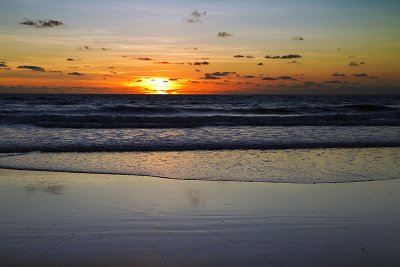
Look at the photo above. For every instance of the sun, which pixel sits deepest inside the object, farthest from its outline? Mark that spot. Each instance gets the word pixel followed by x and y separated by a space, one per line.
pixel 156 85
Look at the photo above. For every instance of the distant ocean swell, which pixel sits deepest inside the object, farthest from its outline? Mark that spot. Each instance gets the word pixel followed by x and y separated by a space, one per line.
pixel 156 121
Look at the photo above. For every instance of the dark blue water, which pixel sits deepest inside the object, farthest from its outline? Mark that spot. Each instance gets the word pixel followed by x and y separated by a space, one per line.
pixel 196 122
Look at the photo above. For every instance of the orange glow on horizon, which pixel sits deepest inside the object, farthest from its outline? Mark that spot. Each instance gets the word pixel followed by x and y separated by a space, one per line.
pixel 155 85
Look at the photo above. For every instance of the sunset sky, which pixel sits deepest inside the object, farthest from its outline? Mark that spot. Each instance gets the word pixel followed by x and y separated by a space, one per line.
pixel 226 46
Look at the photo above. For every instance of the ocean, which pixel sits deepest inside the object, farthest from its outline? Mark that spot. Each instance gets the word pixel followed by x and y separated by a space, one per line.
pixel 216 126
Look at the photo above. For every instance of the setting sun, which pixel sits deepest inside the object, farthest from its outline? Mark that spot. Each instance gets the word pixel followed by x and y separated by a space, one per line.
pixel 155 85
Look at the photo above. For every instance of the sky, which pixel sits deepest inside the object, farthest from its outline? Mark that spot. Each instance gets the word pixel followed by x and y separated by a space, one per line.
pixel 200 47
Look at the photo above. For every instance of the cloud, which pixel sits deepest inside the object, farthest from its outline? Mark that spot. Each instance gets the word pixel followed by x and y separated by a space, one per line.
pixel 33 68
pixel 339 74
pixel 297 38
pixel 84 47
pixel 352 64
pixel 209 76
pixel 195 16
pixel 360 75
pixel 286 78
pixel 281 78
pixel 143 58
pixel 294 62
pixel 105 49
pixel 42 23
pixel 201 63
pixel 75 73
pixel 220 74
pixel 269 79
pixel 70 59
pixel 224 34
pixel 238 56
pixel 289 56
pixel 3 64
pixel 333 82
pixel 260 64
pixel 248 77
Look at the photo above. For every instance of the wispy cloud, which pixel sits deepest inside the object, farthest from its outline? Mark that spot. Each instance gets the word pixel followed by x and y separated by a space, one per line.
pixel 195 16
pixel 75 73
pixel 360 75
pixel 297 38
pixel 289 56
pixel 44 23
pixel 280 78
pixel 338 75
pixel 224 34
pixel 33 68
pixel 333 82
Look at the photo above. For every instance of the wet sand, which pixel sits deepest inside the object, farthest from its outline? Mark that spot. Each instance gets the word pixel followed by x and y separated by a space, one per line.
pixel 66 219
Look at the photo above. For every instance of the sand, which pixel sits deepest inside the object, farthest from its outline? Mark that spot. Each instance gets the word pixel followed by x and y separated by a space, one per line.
pixel 66 219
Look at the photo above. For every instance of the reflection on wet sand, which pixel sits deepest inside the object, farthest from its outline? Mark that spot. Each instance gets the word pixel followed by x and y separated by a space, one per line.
pixel 196 198
pixel 51 189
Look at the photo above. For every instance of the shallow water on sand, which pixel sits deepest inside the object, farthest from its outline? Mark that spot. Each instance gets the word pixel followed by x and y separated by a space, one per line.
pixel 279 166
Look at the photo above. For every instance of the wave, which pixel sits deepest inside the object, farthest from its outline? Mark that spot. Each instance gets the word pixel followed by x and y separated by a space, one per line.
pixel 129 121
pixel 369 107
pixel 197 146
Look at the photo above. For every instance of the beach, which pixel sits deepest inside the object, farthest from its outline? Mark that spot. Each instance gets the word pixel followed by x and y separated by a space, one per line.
pixel 75 219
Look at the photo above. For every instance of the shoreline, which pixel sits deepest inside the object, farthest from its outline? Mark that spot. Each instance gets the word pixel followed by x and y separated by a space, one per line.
pixel 66 219
pixel 193 180
pixel 277 166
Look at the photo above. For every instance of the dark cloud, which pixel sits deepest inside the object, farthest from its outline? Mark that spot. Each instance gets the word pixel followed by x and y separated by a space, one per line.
pixel 333 82
pixel 42 23
pixel 360 75
pixel 143 58
pixel 238 56
pixel 55 71
pixel 195 16
pixel 224 34
pixel 310 83
pixel 362 63
pixel 297 38
pixel 352 64
pixel 70 59
pixel 209 76
pixel 249 56
pixel 104 49
pixel 75 73
pixel 221 74
pixel 339 74
pixel 3 64
pixel 280 78
pixel 294 62
pixel 249 77
pixel 201 63
pixel 260 64
pixel 269 79
pixel 289 56
pixel 33 68
pixel 286 78
pixel 84 47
